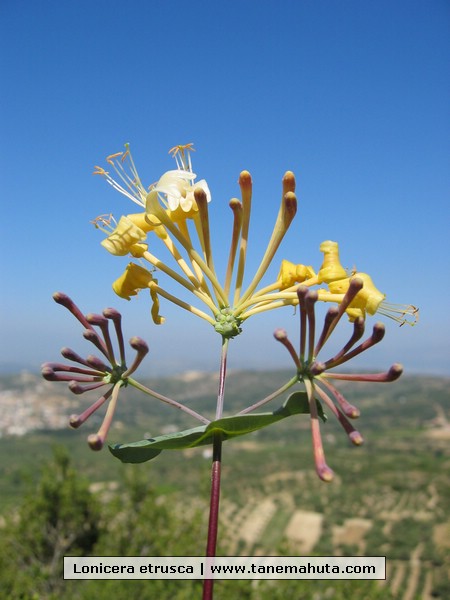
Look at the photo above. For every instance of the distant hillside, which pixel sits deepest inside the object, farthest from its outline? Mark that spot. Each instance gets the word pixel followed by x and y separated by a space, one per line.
pixel 390 497
pixel 30 404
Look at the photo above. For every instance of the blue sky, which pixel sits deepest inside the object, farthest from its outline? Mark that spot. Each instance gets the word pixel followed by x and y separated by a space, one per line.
pixel 352 96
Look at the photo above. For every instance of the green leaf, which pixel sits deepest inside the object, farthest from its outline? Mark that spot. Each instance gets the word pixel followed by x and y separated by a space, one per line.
pixel 226 428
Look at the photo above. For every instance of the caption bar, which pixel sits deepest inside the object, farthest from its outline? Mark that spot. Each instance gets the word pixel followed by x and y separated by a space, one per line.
pixel 225 567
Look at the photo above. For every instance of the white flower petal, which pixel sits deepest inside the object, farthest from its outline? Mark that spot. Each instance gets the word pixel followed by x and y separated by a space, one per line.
pixel 187 202
pixel 202 184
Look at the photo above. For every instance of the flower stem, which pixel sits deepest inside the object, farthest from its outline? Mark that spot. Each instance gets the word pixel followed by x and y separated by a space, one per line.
pixel 189 307
pixel 170 401
pixel 213 523
pixel 274 394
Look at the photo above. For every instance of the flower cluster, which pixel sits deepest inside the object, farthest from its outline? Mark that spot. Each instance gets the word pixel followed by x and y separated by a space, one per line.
pixel 178 204
pixel 318 376
pixel 174 206
pixel 94 372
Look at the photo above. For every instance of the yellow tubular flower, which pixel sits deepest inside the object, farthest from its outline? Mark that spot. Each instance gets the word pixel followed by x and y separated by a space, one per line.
pixel 331 269
pixel 369 300
pixel 133 279
pixel 148 223
pixel 366 300
pixel 291 274
pixel 124 236
pixel 138 250
pixel 179 214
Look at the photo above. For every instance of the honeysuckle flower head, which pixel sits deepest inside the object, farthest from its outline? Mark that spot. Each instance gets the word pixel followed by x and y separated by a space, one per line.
pixel 177 206
pixel 318 376
pixel 169 203
pixel 91 373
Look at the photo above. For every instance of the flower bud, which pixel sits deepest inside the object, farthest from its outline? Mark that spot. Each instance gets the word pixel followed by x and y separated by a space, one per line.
pixel 139 345
pixel 235 205
pixel 112 313
pixel 288 182
pixel 245 181
pixel 72 355
pixel 75 421
pixel 325 473
pixel 394 372
pixel 99 320
pixel 96 363
pixel 63 299
pixel 289 208
pixel 356 438
pixel 95 441
pixel 280 334
pixel 48 373
pixel 76 388
pixel 378 332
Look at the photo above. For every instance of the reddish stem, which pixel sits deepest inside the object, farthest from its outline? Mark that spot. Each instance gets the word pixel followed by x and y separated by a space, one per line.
pixel 213 525
pixel 213 512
